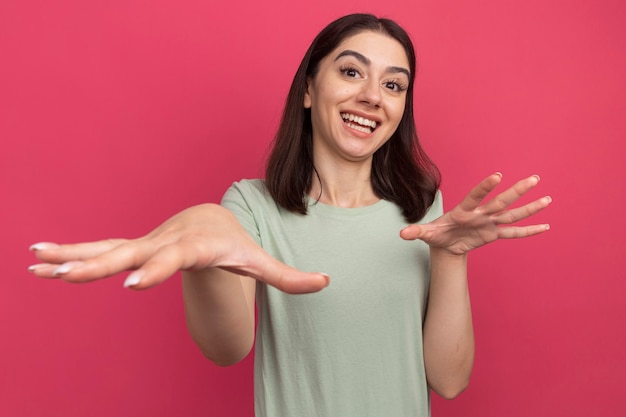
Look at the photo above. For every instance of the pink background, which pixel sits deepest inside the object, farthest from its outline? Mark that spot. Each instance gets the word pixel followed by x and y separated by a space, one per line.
pixel 114 115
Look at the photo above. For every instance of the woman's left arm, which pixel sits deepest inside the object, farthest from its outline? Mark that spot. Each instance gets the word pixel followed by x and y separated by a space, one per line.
pixel 448 330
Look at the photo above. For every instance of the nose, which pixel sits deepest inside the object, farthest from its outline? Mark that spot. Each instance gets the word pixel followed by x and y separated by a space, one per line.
pixel 370 93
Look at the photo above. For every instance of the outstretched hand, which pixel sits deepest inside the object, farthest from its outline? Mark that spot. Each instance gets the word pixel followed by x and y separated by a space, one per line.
pixel 200 237
pixel 471 225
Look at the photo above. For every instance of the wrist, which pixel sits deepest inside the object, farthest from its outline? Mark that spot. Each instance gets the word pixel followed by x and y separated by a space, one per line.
pixel 443 254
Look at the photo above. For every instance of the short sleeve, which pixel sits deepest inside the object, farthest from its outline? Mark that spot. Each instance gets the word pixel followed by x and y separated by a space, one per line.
pixel 239 200
pixel 435 210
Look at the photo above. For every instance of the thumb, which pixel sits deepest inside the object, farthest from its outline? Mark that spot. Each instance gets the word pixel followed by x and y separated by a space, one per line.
pixel 267 269
pixel 412 232
pixel 293 281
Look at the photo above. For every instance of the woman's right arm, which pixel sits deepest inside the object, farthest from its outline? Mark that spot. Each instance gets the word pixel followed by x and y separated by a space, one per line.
pixel 198 238
pixel 220 262
pixel 219 309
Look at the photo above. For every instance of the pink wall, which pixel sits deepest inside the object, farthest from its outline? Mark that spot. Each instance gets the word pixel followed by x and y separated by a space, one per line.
pixel 114 115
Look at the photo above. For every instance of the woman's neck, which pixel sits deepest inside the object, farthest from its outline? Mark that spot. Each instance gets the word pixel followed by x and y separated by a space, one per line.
pixel 344 184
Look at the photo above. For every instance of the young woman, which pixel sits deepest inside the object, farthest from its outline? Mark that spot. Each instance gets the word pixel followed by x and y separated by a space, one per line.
pixel 349 192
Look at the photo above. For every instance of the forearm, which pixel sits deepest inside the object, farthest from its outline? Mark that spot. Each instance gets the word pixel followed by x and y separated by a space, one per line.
pixel 219 309
pixel 448 329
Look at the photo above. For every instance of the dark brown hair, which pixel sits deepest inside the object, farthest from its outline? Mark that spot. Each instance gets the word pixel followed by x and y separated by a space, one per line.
pixel 401 171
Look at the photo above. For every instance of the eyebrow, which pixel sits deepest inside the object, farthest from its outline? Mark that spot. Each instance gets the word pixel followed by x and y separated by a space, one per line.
pixel 366 61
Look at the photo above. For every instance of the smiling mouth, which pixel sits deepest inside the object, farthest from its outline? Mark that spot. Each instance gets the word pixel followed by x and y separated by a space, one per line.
pixel 359 123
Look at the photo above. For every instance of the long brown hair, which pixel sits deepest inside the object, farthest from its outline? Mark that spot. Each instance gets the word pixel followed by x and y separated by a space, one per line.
pixel 401 171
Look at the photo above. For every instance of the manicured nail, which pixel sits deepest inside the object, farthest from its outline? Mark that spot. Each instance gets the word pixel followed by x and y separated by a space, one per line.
pixel 133 279
pixel 32 268
pixel 327 279
pixel 43 246
pixel 65 268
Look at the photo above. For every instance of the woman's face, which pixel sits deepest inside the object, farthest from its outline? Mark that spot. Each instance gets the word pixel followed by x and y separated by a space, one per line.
pixel 357 97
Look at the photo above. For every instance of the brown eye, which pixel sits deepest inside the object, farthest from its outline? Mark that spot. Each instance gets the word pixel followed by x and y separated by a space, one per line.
pixel 393 86
pixel 350 72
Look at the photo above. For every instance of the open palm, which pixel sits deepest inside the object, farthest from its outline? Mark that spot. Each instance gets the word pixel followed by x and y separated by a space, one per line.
pixel 199 237
pixel 472 224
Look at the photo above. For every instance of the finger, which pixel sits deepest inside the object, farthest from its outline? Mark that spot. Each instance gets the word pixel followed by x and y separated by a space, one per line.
pixel 127 256
pixel 510 195
pixel 43 270
pixel 520 213
pixel 58 254
pixel 172 258
pixel 265 268
pixel 168 260
pixel 478 193
pixel 256 264
pixel 412 232
pixel 293 281
pixel 522 231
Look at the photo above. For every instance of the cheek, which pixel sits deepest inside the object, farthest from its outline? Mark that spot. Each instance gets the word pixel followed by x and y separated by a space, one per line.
pixel 332 91
pixel 396 110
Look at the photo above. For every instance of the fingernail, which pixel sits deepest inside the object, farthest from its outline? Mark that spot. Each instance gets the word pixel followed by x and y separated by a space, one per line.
pixel 133 279
pixel 65 268
pixel 32 268
pixel 327 277
pixel 42 246
pixel 548 198
pixel 537 176
pixel 499 174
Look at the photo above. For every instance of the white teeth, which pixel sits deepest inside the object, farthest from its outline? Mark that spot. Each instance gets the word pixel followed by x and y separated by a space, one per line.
pixel 360 120
pixel 360 128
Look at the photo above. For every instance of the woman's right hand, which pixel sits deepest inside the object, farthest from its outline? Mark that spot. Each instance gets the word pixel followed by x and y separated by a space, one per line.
pixel 197 238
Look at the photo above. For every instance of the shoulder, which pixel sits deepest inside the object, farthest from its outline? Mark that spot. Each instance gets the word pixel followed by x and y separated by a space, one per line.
pixel 247 190
pixel 250 197
pixel 435 210
pixel 251 203
pixel 248 186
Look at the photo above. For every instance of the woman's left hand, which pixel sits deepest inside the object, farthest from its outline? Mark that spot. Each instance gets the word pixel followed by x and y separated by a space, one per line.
pixel 472 224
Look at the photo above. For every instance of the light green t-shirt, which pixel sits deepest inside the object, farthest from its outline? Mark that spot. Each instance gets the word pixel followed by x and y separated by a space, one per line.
pixel 355 348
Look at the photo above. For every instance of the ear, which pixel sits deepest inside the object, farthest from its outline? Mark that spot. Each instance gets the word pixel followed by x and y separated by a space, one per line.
pixel 307 94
